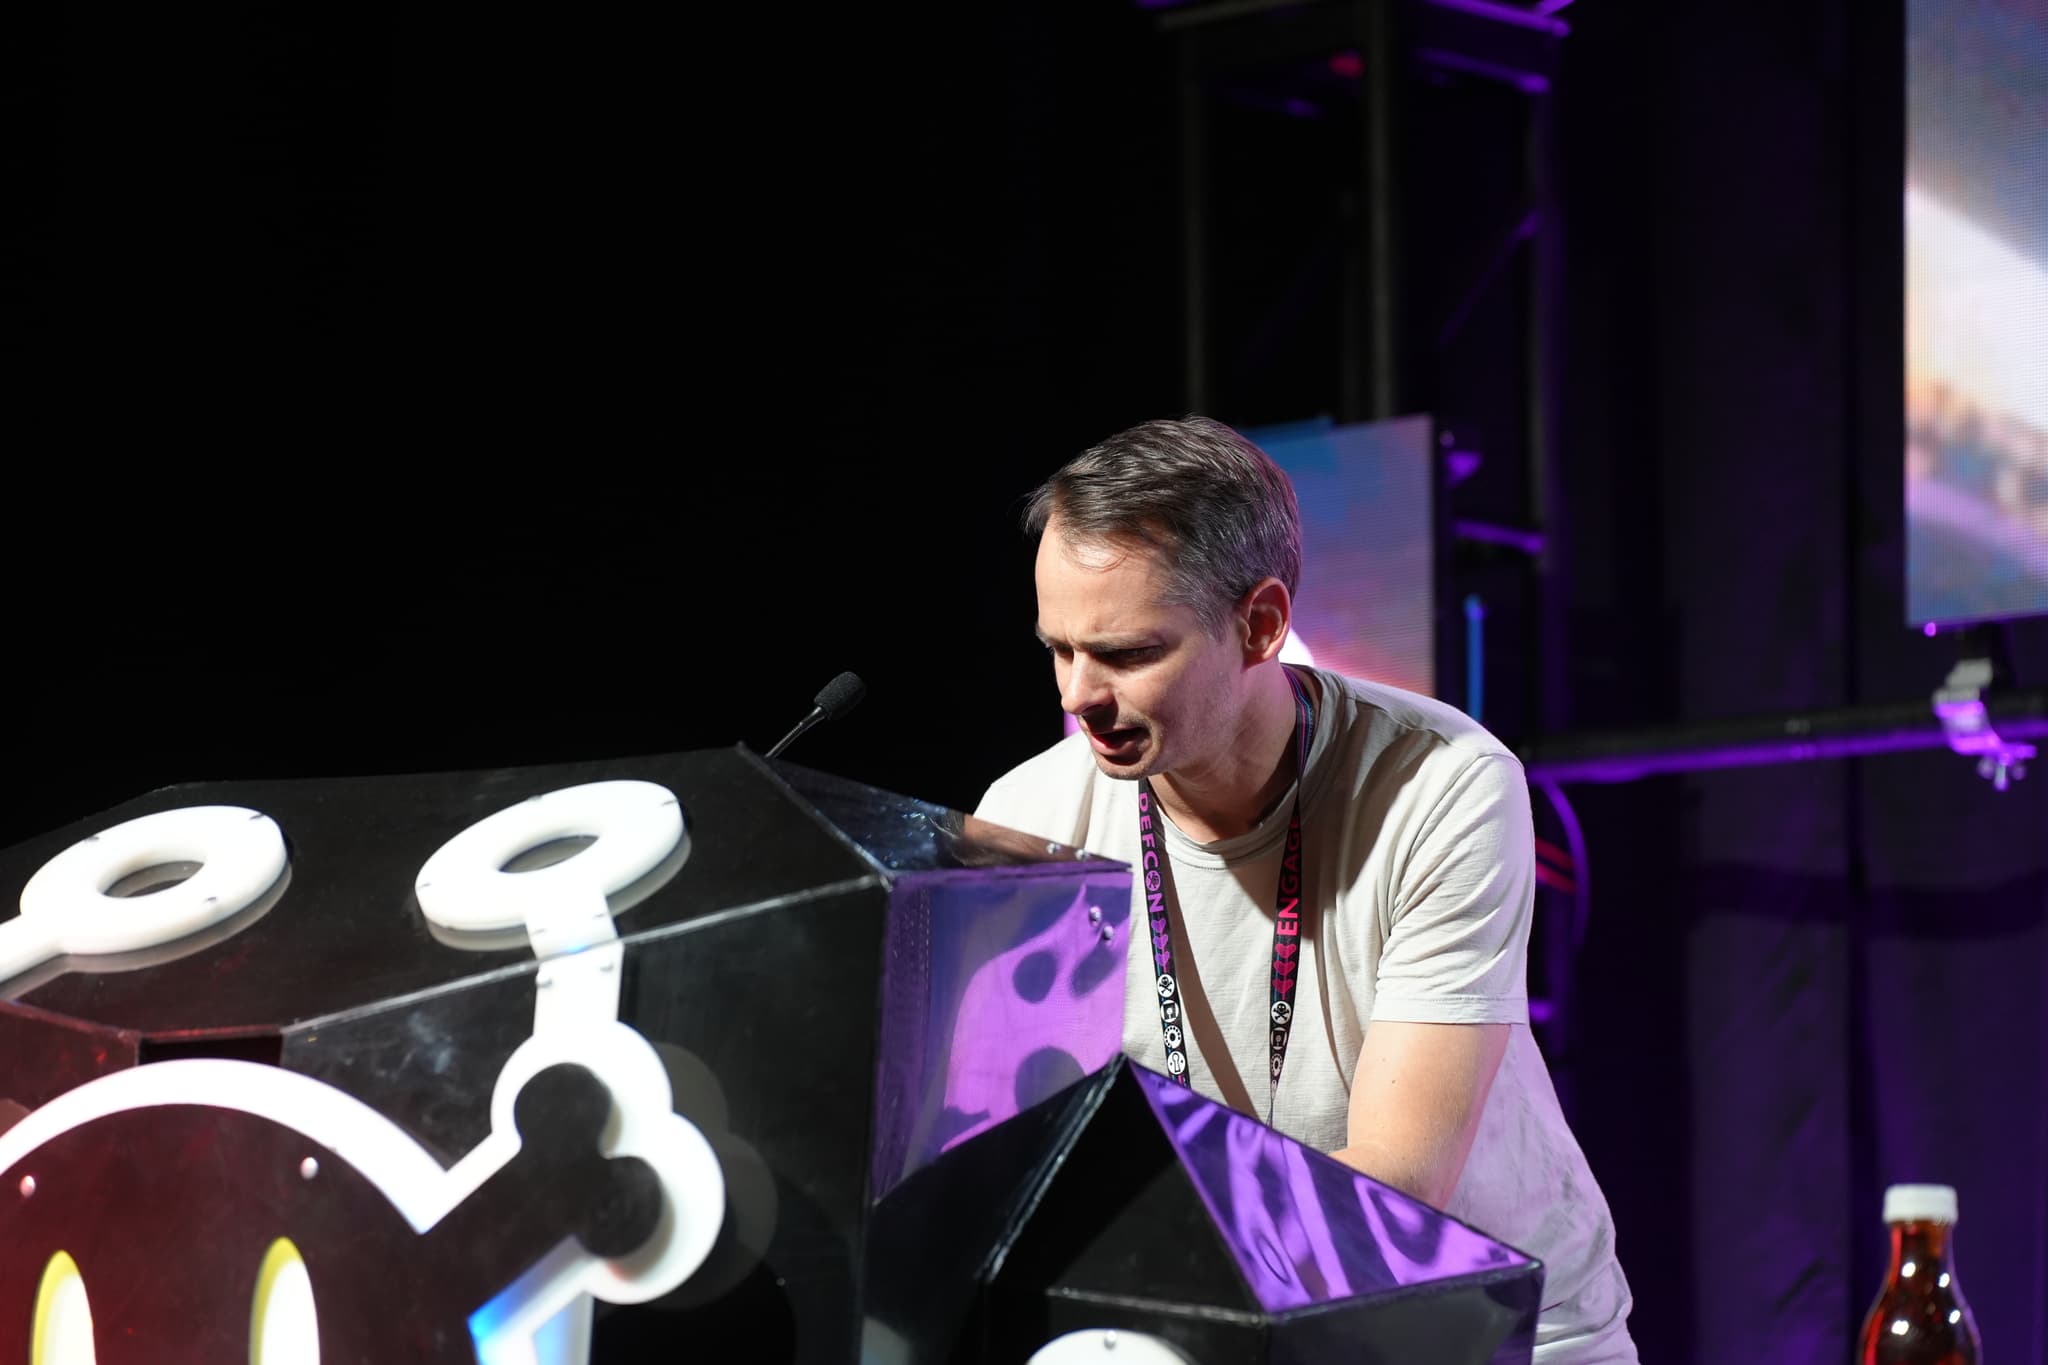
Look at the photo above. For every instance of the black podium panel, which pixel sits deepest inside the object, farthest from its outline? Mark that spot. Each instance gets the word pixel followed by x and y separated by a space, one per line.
pixel 347 933
pixel 173 1214
pixel 893 1032
pixel 841 984
pixel 934 1239
pixel 1126 1204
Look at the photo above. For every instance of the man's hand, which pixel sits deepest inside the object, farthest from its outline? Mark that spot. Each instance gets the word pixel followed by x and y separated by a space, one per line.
pixel 1415 1103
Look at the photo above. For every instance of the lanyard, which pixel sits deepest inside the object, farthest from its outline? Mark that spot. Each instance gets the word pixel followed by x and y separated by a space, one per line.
pixel 1286 923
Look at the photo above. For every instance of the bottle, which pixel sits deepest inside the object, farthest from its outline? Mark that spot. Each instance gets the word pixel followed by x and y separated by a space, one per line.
pixel 1920 1317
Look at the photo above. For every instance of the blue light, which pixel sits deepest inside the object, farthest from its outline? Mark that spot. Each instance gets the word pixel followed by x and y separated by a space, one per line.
pixel 553 1342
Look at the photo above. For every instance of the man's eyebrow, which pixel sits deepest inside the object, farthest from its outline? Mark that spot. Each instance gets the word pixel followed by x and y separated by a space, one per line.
pixel 1109 644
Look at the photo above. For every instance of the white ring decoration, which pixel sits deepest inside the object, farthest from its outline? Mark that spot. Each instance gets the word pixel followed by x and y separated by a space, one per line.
pixel 65 907
pixel 636 825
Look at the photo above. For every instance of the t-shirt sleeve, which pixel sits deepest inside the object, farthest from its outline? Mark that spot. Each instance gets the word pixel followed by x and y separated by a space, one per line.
pixel 1037 798
pixel 1005 803
pixel 1457 950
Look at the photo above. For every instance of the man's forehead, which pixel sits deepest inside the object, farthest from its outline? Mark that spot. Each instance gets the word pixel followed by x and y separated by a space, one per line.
pixel 1100 551
pixel 1119 607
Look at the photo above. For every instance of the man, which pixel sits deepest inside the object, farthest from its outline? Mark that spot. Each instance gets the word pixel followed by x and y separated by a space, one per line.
pixel 1385 1016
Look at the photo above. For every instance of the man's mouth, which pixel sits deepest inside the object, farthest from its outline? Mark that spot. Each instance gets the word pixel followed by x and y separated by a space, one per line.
pixel 1115 741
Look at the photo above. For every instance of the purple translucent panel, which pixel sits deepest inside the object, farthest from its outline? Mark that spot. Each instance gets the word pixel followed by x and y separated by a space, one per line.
pixel 1305 1228
pixel 1000 989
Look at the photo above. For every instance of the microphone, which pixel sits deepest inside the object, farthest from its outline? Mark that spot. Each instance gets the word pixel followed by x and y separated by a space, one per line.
pixel 841 695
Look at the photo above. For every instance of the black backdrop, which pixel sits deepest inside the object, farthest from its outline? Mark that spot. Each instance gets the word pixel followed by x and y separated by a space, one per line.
pixel 406 392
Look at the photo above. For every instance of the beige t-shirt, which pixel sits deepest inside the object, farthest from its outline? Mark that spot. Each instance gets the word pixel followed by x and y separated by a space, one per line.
pixel 1418 886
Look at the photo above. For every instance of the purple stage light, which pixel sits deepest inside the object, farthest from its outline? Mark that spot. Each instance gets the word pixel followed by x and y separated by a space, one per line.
pixel 1528 542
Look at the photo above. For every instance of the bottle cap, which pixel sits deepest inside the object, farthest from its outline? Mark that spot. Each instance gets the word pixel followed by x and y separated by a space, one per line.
pixel 1920 1204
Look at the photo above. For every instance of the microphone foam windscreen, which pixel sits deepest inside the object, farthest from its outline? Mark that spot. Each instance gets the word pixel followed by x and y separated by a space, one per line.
pixel 841 695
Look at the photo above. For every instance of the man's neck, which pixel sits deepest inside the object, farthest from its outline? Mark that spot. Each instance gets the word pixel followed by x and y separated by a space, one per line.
pixel 1241 785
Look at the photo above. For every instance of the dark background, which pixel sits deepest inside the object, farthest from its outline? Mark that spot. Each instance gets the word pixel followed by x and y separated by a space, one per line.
pixel 402 391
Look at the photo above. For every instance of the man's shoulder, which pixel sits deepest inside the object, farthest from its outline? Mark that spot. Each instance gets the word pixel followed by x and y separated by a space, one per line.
pixel 1387 716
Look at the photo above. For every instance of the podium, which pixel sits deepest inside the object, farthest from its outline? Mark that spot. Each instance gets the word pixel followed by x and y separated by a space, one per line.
pixel 753 1061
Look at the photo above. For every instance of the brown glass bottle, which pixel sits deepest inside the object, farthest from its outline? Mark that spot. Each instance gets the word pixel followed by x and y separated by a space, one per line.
pixel 1920 1317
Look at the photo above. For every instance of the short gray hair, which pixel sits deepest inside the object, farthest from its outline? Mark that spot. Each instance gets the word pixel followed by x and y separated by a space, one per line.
pixel 1221 514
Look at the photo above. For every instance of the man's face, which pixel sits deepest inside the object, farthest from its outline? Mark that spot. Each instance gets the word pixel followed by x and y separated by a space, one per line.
pixel 1152 690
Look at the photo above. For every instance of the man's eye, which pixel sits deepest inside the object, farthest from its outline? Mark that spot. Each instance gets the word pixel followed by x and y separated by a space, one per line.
pixel 1126 658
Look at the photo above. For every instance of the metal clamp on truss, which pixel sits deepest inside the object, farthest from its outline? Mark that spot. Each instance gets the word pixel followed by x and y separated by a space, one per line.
pixel 1959 705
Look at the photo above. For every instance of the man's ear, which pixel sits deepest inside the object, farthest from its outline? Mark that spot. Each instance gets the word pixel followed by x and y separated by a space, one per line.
pixel 1263 617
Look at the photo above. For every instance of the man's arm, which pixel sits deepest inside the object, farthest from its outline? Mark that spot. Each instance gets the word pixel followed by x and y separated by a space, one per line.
pixel 1415 1103
pixel 1451 982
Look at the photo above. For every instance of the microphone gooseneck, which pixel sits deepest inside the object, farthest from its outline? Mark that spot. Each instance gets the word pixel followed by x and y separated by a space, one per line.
pixel 839 696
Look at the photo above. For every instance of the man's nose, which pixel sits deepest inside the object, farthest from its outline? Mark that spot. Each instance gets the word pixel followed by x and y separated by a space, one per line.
pixel 1086 687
